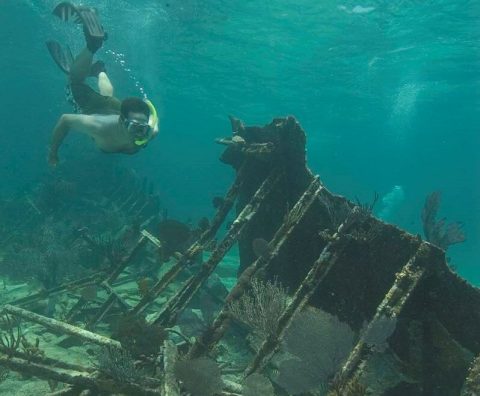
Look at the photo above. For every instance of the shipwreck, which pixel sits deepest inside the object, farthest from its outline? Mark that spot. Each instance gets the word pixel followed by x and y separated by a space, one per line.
pixel 414 325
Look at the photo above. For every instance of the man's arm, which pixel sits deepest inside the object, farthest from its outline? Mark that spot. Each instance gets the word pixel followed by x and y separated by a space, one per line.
pixel 80 122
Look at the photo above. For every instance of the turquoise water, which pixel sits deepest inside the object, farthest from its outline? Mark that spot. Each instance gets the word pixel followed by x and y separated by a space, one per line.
pixel 388 93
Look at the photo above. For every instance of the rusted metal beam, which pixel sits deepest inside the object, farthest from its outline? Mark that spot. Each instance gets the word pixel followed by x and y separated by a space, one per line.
pixel 126 261
pixel 472 382
pixel 316 274
pixel 179 301
pixel 407 279
pixel 170 384
pixel 75 378
pixel 70 286
pixel 216 331
pixel 47 361
pixel 196 247
pixel 109 278
pixel 58 326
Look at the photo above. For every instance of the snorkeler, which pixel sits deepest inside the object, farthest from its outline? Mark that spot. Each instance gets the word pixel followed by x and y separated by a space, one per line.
pixel 115 126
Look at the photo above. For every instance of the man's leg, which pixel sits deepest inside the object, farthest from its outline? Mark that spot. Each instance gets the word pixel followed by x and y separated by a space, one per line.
pixel 80 68
pixel 104 85
pixel 94 37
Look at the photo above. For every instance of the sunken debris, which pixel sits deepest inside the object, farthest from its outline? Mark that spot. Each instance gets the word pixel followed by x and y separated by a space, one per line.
pixel 380 306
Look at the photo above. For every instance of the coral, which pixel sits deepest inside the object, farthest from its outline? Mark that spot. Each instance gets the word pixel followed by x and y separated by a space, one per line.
pixel 378 332
pixel 175 236
pixel 200 377
pixel 257 384
pixel 11 334
pixel 439 232
pixel 138 337
pixel 32 350
pixel 108 247
pixel 319 343
pixel 472 383
pixel 117 364
pixel 261 248
pixel 48 255
pixel 261 307
pixel 367 207
pixel 351 388
pixel 143 285
pixel 4 372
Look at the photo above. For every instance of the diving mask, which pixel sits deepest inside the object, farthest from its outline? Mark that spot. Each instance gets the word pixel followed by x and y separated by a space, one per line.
pixel 141 131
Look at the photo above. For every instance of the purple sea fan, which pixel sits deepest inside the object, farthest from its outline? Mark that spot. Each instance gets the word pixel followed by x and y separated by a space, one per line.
pixel 439 232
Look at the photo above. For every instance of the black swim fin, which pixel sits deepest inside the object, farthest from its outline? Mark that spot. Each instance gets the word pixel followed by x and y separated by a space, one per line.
pixel 87 16
pixel 97 68
pixel 66 11
pixel 63 59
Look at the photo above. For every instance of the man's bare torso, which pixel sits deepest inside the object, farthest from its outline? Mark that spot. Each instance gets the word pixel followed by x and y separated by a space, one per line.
pixel 109 135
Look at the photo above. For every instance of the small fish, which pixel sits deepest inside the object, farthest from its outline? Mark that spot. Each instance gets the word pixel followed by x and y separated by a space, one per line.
pixel 261 248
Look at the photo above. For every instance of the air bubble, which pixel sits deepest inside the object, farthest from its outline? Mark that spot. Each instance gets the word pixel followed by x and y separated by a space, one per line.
pixel 119 59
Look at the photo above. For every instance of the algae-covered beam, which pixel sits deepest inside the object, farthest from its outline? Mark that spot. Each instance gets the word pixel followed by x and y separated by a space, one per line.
pixel 257 150
pixel 472 382
pixel 46 361
pixel 70 390
pixel 216 331
pixel 391 306
pixel 152 238
pixel 102 311
pixel 170 384
pixel 126 261
pixel 195 248
pixel 110 278
pixel 61 327
pixel 159 287
pixel 316 274
pixel 75 378
pixel 109 289
pixel 70 286
pixel 180 300
pixel 113 297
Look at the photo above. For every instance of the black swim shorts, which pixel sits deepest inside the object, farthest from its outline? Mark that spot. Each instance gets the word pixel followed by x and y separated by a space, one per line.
pixel 91 102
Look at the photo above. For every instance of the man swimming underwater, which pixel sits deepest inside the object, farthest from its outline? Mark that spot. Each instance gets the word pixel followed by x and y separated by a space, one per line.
pixel 115 126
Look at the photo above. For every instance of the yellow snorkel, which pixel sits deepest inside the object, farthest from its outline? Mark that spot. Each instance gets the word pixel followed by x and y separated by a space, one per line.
pixel 152 123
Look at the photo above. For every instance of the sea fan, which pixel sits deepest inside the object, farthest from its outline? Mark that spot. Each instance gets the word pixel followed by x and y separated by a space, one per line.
pixel 200 377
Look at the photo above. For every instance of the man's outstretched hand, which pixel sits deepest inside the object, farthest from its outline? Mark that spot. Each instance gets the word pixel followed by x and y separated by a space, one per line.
pixel 52 159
